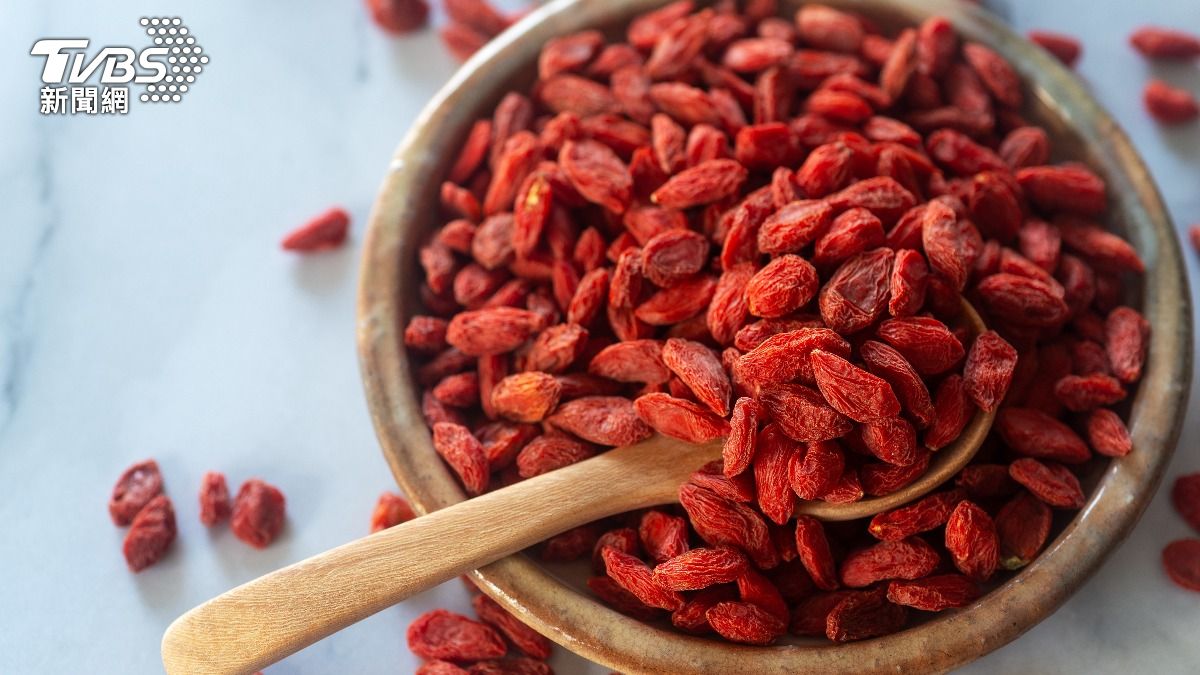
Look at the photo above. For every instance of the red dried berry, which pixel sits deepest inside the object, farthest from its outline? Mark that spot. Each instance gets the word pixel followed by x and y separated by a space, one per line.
pixel 525 638
pixel 463 452
pixel 813 549
pixel 934 594
pixel 680 418
pixel 972 541
pixel 1185 495
pixel 1033 433
pixel 744 622
pixel 258 513
pixel 134 489
pixel 214 499
pixel 700 568
pixel 399 16
pixel 1064 47
pixel 926 514
pixel 1054 484
pixel 1127 335
pixel 390 510
pixel 1170 105
pixel 1022 525
pixel 323 232
pixel 813 473
pixel 862 615
pixel 1181 560
pixel 634 576
pixel 150 534
pixel 1164 43
pixel 604 420
pixel 441 634
pixel 926 342
pixel 910 558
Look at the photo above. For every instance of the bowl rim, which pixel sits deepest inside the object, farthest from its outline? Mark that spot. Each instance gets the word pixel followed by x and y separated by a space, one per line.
pixel 592 630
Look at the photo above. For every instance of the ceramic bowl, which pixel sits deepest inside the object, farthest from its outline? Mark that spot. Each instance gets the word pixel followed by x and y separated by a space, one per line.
pixel 556 604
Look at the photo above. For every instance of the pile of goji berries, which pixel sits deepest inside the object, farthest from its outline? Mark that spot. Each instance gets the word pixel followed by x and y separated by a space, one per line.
pixel 760 227
pixel 256 515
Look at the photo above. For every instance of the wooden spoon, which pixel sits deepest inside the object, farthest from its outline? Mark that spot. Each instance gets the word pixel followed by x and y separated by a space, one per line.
pixel 261 622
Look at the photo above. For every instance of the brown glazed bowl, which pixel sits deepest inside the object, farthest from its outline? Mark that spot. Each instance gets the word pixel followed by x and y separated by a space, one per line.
pixel 558 606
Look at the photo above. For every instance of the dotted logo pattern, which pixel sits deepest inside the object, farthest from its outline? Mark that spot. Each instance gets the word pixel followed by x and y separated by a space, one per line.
pixel 185 61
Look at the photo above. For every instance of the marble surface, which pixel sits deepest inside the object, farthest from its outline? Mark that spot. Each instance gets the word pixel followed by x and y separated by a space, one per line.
pixel 145 310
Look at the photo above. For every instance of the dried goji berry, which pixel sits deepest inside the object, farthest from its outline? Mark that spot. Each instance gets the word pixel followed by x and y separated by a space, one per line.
pixel 909 558
pixel 461 450
pixel 972 541
pixel 857 293
pixel 1023 524
pixel 700 568
pixel 772 458
pixel 214 499
pixel 323 232
pixel 852 391
pixel 802 413
pixel 700 369
pixel 933 594
pixel 692 616
pixel 702 184
pixel 864 614
pixel 813 549
pixel 1185 495
pixel 926 342
pixel 390 510
pixel 634 576
pixel 525 638
pixel 597 173
pixel 745 622
pixel 1064 47
pixel 440 667
pixel 605 420
pixel 816 471
pixel 134 489
pixel 1181 560
pixel 1054 484
pixel 441 634
pixel 493 330
pixel 1126 337
pixel 549 452
pixel 680 418
pixel 150 534
pixel 921 516
pixel 258 512
pixel 1165 43
pixel 622 600
pixel 722 522
pixel 1033 433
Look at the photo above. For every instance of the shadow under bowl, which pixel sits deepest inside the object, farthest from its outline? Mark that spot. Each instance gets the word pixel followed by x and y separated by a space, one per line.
pixel 560 607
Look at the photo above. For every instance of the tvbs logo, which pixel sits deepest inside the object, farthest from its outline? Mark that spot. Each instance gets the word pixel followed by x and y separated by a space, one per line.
pixel 167 69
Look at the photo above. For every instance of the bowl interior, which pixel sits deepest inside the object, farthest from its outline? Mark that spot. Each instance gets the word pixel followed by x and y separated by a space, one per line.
pixel 552 598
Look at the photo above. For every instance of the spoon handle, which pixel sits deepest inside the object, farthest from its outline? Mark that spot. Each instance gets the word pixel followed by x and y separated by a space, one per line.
pixel 260 622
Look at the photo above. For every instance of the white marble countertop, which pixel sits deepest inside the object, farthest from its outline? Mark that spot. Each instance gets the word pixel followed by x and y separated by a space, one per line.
pixel 145 310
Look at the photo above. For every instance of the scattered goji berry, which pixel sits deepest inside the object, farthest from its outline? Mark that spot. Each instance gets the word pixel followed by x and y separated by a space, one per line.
pixel 258 513
pixel 1181 560
pixel 1165 43
pixel 134 489
pixel 323 232
pixel 214 499
pixel 150 534
pixel 1185 495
